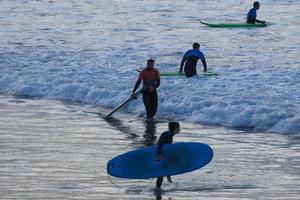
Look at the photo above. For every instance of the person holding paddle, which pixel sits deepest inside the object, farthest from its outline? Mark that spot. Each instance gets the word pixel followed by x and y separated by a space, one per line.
pixel 190 60
pixel 165 138
pixel 151 81
pixel 251 16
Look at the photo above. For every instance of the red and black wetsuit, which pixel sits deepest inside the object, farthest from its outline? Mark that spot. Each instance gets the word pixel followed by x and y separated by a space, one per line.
pixel 151 79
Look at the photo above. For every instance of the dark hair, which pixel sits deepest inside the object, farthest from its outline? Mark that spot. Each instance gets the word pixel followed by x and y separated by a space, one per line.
pixel 196 45
pixel 150 61
pixel 173 125
pixel 255 4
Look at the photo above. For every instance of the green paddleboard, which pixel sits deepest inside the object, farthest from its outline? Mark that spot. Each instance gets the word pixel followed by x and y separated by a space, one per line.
pixel 182 74
pixel 171 74
pixel 234 25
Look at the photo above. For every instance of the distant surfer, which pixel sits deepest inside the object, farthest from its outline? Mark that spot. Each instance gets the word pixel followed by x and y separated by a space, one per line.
pixel 251 16
pixel 165 138
pixel 190 60
pixel 151 81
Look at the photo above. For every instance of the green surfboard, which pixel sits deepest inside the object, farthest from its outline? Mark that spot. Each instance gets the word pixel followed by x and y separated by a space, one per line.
pixel 208 73
pixel 171 74
pixel 234 25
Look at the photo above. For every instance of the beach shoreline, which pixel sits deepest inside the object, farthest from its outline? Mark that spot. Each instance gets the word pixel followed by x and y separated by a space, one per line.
pixel 54 150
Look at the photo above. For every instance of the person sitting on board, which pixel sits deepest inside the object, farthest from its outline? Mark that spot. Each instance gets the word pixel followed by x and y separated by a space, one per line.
pixel 151 81
pixel 190 60
pixel 165 138
pixel 251 16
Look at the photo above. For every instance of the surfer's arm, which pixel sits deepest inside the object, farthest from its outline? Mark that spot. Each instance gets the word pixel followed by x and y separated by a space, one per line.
pixel 201 56
pixel 160 144
pixel 182 63
pixel 258 21
pixel 163 139
pixel 204 64
pixel 137 85
pixel 156 85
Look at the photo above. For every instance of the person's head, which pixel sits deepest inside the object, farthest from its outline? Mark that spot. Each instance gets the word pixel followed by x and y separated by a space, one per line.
pixel 174 127
pixel 150 63
pixel 256 5
pixel 196 45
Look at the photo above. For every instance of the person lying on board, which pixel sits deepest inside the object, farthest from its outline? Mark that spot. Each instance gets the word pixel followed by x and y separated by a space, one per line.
pixel 165 138
pixel 251 16
pixel 190 60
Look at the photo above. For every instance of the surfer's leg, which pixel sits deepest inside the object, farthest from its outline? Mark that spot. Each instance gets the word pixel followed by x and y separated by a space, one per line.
pixel 153 107
pixel 147 104
pixel 159 182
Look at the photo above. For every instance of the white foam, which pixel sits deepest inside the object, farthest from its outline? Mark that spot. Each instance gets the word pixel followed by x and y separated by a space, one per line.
pixel 95 61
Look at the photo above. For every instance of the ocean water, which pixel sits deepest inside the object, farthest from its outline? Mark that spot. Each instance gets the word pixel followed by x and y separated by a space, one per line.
pixel 89 51
pixel 64 64
pixel 55 150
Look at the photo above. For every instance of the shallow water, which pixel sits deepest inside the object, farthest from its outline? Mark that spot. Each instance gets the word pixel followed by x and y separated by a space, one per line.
pixel 64 64
pixel 55 150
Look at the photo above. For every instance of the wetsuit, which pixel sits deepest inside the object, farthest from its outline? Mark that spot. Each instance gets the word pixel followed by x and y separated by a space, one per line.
pixel 165 138
pixel 251 17
pixel 150 78
pixel 190 60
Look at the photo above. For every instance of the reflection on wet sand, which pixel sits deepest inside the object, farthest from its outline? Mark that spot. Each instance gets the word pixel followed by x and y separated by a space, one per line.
pixel 119 125
pixel 150 133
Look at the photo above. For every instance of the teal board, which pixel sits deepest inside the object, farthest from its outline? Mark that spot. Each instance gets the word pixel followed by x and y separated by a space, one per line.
pixel 234 25
pixel 182 74
pixel 171 74
pixel 176 159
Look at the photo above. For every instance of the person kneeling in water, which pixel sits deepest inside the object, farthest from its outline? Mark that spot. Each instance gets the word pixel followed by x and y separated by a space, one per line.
pixel 251 16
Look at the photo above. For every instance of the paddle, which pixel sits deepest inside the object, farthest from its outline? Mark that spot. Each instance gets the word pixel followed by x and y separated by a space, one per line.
pixel 208 73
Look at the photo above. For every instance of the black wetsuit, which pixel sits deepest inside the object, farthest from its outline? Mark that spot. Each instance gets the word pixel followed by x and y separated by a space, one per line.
pixel 190 60
pixel 150 102
pixel 251 17
pixel 165 138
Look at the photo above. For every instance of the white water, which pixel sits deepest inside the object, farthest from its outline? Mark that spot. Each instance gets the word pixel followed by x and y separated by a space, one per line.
pixel 88 51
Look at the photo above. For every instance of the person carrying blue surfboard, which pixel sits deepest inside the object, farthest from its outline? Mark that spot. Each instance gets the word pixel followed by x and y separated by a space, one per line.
pixel 165 138
pixel 190 60
pixel 251 16
pixel 151 81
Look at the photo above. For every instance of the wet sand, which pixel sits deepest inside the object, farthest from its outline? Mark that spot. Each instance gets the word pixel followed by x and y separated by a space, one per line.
pixel 55 150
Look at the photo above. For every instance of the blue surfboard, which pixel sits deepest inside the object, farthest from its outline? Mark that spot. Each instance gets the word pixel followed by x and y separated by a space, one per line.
pixel 176 159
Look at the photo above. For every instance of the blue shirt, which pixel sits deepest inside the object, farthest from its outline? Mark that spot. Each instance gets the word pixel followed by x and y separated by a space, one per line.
pixel 251 17
pixel 193 52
